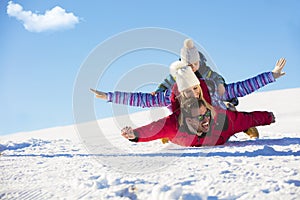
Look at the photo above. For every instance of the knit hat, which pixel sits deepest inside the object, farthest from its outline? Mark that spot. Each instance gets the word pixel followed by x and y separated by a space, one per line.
pixel 175 66
pixel 185 78
pixel 189 53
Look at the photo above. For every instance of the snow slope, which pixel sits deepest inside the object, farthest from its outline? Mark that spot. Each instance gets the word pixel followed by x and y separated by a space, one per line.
pixel 56 163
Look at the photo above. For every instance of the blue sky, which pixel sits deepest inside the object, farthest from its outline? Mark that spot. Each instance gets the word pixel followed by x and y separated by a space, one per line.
pixel 39 64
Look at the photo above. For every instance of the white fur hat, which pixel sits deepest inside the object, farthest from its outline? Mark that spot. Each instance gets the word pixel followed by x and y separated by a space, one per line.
pixel 175 66
pixel 186 78
pixel 189 53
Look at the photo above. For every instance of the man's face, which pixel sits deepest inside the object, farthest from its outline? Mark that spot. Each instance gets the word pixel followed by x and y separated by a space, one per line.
pixel 193 91
pixel 194 66
pixel 199 119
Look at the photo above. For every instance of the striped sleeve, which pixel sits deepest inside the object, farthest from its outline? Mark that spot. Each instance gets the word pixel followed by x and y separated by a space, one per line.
pixel 139 99
pixel 243 88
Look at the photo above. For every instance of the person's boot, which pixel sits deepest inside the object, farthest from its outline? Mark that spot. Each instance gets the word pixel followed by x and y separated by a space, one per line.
pixel 252 132
pixel 164 140
pixel 234 101
pixel 230 106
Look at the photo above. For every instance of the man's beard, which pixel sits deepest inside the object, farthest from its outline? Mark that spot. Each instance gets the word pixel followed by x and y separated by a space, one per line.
pixel 193 130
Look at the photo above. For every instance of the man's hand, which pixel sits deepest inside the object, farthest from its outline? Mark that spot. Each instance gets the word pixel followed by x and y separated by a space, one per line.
pixel 277 71
pixel 127 132
pixel 99 94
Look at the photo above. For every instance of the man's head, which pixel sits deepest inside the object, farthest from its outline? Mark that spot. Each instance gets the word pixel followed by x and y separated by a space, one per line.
pixel 195 115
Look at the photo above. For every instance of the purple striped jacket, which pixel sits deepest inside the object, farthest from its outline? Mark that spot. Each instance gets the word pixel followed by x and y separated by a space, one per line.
pixel 161 99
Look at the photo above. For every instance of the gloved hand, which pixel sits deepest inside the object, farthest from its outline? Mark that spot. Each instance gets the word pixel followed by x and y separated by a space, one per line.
pixel 272 117
pixel 127 132
pixel 277 71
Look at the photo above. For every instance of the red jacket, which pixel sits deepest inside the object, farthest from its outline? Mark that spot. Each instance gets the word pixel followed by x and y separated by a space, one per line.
pixel 225 124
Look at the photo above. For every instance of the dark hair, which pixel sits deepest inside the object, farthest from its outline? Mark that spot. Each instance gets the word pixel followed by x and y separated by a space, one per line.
pixel 186 106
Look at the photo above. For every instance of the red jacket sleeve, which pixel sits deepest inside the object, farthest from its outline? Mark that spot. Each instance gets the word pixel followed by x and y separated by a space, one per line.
pixel 164 128
pixel 241 121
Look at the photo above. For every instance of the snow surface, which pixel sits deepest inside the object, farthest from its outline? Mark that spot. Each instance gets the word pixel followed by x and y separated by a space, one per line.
pixel 60 163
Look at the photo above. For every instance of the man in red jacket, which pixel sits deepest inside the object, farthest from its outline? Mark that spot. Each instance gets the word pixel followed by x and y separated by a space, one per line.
pixel 198 126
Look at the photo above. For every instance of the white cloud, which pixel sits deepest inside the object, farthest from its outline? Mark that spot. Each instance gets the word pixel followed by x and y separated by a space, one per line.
pixel 55 19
